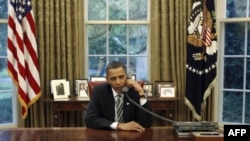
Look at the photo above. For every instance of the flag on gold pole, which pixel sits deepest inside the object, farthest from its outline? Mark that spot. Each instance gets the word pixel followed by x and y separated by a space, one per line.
pixel 201 56
pixel 23 66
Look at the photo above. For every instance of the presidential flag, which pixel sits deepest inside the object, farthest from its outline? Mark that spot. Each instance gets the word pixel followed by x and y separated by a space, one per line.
pixel 22 53
pixel 201 56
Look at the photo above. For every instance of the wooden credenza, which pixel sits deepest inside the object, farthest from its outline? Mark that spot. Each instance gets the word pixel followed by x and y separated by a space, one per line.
pixel 166 107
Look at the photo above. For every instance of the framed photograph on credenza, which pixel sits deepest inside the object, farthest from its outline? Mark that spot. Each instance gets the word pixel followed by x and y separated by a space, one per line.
pixel 148 89
pixel 82 89
pixel 60 88
pixel 133 76
pixel 159 84
pixel 167 92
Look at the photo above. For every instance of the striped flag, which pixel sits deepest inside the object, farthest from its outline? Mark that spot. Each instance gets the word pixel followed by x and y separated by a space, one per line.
pixel 22 53
pixel 207 37
pixel 201 56
pixel 206 32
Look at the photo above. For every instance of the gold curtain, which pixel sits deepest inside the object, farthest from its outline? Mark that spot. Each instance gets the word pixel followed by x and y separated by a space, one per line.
pixel 60 32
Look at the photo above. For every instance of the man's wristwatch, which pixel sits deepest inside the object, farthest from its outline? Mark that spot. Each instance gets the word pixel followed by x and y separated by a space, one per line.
pixel 143 96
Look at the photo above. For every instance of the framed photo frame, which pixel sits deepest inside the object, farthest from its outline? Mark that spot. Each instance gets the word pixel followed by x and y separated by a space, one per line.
pixel 82 88
pixel 60 89
pixel 159 84
pixel 133 76
pixel 167 92
pixel 148 89
pixel 77 81
pixel 53 82
pixel 97 78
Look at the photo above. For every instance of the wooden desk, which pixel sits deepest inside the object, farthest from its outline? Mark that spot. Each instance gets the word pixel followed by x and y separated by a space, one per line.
pixel 84 134
pixel 78 104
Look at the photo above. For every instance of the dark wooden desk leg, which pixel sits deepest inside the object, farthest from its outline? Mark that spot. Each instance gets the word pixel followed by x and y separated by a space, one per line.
pixel 164 114
pixel 171 116
pixel 168 114
pixel 61 119
pixel 56 118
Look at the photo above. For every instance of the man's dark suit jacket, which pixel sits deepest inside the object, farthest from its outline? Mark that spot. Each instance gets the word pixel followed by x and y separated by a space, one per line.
pixel 101 109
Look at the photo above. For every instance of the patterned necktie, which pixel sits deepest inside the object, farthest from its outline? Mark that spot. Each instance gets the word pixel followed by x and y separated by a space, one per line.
pixel 119 105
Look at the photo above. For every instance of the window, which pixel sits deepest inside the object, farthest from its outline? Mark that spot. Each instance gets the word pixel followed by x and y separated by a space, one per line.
pixel 117 30
pixel 234 61
pixel 7 96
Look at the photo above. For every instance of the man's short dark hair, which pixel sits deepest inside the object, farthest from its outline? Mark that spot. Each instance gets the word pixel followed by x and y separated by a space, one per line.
pixel 114 65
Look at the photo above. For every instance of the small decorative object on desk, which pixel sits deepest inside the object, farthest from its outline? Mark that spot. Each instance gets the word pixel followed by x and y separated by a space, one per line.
pixel 148 90
pixel 159 84
pixel 60 88
pixel 82 89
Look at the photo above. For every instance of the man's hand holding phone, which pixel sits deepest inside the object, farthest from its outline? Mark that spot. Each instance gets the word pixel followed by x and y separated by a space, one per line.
pixel 135 85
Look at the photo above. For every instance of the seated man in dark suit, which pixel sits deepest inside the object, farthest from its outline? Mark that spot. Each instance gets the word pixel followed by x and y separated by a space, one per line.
pixel 102 112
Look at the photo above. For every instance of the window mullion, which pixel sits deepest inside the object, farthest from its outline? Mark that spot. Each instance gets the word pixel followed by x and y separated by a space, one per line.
pixel 107 42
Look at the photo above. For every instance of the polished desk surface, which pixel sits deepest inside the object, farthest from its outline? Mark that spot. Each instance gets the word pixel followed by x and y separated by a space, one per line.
pixel 84 134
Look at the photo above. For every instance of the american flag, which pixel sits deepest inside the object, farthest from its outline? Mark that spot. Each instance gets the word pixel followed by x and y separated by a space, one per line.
pixel 207 37
pixel 22 53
